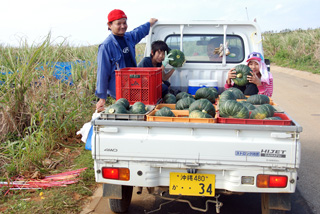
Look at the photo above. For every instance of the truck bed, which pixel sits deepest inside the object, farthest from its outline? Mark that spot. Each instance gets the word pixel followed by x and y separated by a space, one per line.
pixel 227 150
pixel 215 143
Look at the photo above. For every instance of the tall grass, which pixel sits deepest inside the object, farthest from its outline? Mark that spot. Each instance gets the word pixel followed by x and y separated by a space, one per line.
pixel 299 49
pixel 37 111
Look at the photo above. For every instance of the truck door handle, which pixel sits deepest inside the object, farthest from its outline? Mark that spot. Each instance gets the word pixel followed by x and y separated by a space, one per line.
pixel 109 129
pixel 281 135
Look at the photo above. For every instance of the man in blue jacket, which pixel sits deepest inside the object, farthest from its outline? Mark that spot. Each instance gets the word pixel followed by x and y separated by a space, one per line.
pixel 116 52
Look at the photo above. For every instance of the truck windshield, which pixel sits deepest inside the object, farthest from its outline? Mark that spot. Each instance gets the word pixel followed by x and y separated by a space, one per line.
pixel 205 48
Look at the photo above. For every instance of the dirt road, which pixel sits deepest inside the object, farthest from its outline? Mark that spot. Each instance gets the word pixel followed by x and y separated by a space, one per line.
pixel 298 93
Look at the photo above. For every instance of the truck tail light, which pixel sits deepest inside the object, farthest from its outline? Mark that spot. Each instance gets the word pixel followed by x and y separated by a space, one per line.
pixel 272 181
pixel 116 173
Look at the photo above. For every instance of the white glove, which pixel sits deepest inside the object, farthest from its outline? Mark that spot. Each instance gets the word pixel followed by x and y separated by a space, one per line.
pixel 166 59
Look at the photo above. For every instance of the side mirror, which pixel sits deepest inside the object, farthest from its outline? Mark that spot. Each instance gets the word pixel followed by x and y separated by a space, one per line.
pixel 267 61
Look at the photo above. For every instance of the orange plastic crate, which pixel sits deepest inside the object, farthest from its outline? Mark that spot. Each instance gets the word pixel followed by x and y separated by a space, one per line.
pixel 285 120
pixel 169 105
pixel 181 116
pixel 139 85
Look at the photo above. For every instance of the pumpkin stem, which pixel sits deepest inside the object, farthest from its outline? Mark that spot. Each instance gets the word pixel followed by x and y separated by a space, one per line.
pixel 239 75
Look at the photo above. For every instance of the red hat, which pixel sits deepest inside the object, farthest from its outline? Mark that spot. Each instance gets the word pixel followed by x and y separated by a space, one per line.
pixel 115 15
pixel 255 56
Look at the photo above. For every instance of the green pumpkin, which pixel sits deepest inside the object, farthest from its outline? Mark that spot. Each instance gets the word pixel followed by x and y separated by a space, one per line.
pixel 124 102
pixel 258 99
pixel 214 89
pixel 199 114
pixel 116 109
pixel 164 112
pixel 138 108
pixel 183 94
pixel 203 105
pixel 237 93
pixel 233 109
pixel 242 71
pixel 184 103
pixel 178 58
pixel 206 93
pixel 269 108
pixel 248 105
pixel 261 112
pixel 226 95
pixel 169 98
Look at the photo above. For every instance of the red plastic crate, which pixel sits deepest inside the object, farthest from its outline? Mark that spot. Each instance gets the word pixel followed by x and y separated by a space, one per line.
pixel 284 122
pixel 139 85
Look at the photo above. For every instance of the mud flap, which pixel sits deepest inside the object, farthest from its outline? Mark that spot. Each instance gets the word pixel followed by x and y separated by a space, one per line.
pixel 277 201
pixel 112 191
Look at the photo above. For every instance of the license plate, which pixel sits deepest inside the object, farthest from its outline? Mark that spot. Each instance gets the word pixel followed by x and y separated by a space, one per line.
pixel 192 184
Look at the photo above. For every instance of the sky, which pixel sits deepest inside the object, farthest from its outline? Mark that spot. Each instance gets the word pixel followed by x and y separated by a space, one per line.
pixel 84 22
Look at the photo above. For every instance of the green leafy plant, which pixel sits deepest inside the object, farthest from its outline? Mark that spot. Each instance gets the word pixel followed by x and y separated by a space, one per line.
pixel 298 49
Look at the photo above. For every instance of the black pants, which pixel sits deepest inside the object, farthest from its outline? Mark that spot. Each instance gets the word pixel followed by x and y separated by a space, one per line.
pixel 249 89
pixel 165 87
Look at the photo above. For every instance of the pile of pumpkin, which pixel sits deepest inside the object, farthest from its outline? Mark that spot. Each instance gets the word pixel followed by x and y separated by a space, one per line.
pixel 122 106
pixel 254 107
pixel 232 103
pixel 200 105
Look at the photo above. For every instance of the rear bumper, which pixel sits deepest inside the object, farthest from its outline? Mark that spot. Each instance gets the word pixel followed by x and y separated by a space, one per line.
pixel 228 178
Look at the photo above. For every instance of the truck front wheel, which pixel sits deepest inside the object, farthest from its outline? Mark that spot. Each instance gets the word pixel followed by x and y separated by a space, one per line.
pixel 122 205
pixel 275 203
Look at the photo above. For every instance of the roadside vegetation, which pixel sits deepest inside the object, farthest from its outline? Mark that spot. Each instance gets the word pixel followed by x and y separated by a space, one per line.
pixel 40 114
pixel 39 118
pixel 298 49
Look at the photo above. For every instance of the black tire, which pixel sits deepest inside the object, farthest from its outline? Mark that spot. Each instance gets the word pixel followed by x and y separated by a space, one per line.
pixel 265 209
pixel 122 205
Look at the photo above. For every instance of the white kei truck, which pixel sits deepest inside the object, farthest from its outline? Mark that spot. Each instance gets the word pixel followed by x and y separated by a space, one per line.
pixel 199 159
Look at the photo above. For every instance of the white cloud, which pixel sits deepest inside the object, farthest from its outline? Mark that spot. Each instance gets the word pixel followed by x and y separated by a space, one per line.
pixel 278 7
pixel 84 21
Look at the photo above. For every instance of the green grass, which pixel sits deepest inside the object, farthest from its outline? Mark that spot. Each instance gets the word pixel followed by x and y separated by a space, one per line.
pixel 69 199
pixel 299 49
pixel 38 123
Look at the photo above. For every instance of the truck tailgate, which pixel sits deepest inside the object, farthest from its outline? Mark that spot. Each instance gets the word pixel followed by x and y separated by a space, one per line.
pixel 209 144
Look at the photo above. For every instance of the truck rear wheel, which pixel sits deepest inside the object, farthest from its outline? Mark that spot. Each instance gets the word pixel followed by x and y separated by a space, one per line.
pixel 122 205
pixel 268 203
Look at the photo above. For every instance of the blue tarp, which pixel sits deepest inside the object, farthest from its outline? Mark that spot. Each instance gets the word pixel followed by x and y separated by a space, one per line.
pixel 62 70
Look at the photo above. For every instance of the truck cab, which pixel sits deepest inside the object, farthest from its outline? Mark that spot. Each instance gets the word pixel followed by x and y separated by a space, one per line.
pixel 199 39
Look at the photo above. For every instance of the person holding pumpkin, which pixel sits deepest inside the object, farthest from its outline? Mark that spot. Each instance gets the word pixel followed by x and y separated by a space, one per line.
pixel 116 52
pixel 260 81
pixel 159 58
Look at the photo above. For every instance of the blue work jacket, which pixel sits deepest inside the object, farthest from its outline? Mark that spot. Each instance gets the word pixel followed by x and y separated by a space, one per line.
pixel 110 56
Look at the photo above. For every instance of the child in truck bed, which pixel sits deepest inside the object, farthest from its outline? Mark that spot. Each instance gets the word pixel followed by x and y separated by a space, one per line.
pixel 159 58
pixel 261 81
